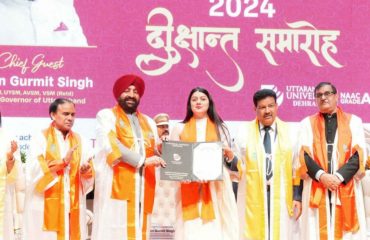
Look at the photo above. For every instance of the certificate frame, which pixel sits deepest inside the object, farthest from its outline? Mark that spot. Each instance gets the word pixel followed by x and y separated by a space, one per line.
pixel 192 161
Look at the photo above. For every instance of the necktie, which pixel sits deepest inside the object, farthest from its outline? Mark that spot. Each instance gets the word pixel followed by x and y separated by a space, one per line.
pixel 267 145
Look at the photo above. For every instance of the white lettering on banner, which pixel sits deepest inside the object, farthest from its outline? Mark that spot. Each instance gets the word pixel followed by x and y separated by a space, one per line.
pixel 300 88
pixel 2 81
pixel 49 100
pixel 80 84
pixel 32 82
pixel 11 92
pixel 350 98
pixel 39 62
pixel 65 93
pixel 303 103
pixel 300 92
pixel 365 99
pixel 234 8
pixel 48 93
pixel 48 81
pixel 190 39
pixel 304 96
pixel 301 96
pixel 299 38
pixel 12 60
pixel 31 92
pixel 15 100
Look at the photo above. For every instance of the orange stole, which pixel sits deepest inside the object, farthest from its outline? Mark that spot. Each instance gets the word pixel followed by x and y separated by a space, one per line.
pixel 346 215
pixel 193 192
pixel 54 196
pixel 123 186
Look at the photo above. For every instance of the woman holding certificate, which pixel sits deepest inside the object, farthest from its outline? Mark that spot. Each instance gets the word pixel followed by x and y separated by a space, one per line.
pixel 205 209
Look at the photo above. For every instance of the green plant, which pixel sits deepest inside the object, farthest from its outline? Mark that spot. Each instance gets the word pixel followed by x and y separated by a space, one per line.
pixel 23 157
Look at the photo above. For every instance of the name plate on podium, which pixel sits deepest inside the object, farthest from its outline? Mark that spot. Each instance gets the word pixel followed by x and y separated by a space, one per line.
pixel 192 161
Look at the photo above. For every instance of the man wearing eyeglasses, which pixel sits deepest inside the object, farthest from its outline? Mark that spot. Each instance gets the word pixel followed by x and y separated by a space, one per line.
pixel 268 203
pixel 332 155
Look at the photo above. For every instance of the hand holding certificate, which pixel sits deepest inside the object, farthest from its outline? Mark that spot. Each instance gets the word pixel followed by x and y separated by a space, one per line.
pixel 197 161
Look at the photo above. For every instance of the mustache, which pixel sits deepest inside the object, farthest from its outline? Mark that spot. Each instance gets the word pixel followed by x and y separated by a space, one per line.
pixel 166 132
pixel 128 107
pixel 130 98
pixel 267 115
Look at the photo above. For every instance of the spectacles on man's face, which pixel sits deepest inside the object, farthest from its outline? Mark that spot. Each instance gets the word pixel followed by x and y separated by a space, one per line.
pixel 325 94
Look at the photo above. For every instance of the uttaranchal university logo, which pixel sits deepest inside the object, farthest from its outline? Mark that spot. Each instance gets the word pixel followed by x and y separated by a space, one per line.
pixel 303 96
pixel 279 95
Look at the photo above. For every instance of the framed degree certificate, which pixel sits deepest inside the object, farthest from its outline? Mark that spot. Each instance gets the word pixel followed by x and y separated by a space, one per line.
pixel 192 161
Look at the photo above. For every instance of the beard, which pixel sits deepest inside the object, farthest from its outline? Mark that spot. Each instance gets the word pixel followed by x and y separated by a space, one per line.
pixel 128 107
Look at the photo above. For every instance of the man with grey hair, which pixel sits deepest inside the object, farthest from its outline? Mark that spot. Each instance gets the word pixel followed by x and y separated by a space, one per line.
pixel 332 158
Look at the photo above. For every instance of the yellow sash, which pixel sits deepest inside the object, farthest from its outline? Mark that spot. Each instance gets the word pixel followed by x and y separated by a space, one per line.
pixel 255 211
pixel 346 214
pixel 190 193
pixel 54 196
pixel 123 186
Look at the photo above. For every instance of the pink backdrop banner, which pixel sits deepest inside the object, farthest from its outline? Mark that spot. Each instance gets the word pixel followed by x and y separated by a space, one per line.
pixel 230 47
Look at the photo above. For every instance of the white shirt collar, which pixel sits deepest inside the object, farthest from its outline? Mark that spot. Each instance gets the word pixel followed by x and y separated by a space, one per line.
pixel 273 126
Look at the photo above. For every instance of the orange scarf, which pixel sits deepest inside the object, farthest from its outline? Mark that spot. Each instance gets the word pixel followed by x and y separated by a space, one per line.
pixel 54 196
pixel 194 192
pixel 346 215
pixel 123 186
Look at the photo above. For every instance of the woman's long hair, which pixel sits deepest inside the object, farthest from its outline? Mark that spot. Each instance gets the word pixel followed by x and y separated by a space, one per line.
pixel 211 112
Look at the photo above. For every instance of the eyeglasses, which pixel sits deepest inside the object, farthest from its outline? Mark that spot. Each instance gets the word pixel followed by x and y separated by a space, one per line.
pixel 326 94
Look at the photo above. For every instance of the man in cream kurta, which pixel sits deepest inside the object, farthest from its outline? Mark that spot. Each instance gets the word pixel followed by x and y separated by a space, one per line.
pixel 59 175
pixel 125 166
pixel 12 184
pixel 268 202
pixel 332 157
